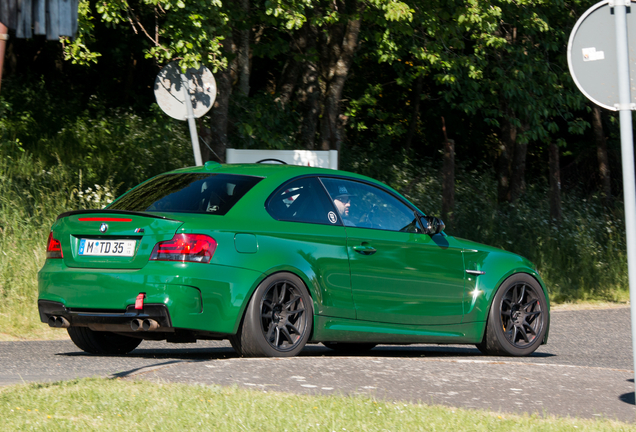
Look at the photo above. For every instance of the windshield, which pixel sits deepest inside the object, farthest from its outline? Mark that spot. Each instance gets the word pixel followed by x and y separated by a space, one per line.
pixel 187 193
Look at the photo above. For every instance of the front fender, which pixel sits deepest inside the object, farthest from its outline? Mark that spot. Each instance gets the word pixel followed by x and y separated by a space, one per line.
pixel 497 267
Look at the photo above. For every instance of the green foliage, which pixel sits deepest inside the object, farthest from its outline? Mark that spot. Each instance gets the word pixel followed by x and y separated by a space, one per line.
pixel 119 144
pixel 32 193
pixel 263 123
pixel 189 31
pixel 77 51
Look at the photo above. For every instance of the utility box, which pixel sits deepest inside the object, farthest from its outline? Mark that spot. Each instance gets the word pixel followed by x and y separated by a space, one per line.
pixel 313 158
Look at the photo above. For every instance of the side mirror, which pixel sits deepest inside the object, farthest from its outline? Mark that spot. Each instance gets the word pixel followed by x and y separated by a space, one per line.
pixel 432 225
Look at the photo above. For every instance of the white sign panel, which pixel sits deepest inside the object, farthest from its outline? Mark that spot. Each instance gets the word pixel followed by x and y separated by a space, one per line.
pixel 313 158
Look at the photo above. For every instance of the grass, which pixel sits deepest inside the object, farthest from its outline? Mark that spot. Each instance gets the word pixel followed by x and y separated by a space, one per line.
pixel 95 404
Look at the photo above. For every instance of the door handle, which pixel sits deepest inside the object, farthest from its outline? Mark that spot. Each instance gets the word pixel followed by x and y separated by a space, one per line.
pixel 365 250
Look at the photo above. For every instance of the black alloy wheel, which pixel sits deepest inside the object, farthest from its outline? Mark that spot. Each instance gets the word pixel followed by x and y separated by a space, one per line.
pixel 521 315
pixel 283 315
pixel 518 318
pixel 278 319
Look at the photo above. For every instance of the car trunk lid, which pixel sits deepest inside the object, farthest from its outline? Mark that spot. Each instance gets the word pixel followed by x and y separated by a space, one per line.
pixel 111 239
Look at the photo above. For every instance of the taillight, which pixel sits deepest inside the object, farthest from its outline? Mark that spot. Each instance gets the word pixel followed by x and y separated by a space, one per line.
pixel 185 247
pixel 53 248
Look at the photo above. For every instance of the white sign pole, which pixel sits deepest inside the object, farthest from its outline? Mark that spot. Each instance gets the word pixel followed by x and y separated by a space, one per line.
pixel 194 135
pixel 627 153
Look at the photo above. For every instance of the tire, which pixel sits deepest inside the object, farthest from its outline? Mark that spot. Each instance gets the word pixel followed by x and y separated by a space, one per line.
pixel 518 319
pixel 95 342
pixel 349 347
pixel 278 319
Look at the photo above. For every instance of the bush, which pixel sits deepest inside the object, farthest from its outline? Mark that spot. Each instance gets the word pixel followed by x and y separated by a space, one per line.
pixel 125 146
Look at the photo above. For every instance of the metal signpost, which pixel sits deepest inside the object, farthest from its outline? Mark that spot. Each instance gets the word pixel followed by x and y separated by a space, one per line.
pixel 186 96
pixel 600 65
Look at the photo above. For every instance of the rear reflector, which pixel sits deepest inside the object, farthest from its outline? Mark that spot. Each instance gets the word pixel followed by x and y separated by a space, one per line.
pixel 53 248
pixel 185 247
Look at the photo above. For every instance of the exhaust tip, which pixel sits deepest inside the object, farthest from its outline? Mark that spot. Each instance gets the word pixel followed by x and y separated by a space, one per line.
pixel 150 325
pixel 62 322
pixel 136 325
pixel 58 322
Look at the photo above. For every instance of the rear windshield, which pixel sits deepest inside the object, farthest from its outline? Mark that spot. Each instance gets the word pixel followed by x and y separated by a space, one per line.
pixel 187 193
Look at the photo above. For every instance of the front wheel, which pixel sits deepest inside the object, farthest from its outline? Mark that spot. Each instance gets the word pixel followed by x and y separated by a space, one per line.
pixel 518 318
pixel 278 319
pixel 95 342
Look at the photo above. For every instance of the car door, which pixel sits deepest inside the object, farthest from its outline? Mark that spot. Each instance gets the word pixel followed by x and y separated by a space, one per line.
pixel 308 236
pixel 398 274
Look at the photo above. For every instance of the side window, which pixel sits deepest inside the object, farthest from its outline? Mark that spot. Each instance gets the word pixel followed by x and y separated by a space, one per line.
pixel 365 206
pixel 302 200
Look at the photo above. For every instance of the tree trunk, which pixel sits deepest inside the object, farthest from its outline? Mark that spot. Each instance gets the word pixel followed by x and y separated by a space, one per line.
pixel 601 154
pixel 309 92
pixel 287 83
pixel 217 134
pixel 517 173
pixel 555 183
pixel 301 43
pixel 506 151
pixel 337 57
pixel 448 180
pixel 244 53
pixel 415 113
pixel 309 98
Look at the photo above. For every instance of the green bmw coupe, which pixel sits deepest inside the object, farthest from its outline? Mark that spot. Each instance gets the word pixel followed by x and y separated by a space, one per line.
pixel 273 257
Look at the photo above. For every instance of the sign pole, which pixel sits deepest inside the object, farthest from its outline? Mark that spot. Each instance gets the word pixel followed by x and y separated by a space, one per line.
pixel 194 135
pixel 627 152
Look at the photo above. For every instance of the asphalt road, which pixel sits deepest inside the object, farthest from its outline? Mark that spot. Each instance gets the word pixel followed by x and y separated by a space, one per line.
pixel 584 371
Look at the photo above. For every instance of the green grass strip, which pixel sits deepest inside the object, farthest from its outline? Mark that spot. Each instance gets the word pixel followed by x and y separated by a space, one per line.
pixel 106 404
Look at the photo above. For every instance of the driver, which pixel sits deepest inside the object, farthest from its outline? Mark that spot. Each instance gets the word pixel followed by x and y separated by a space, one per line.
pixel 343 204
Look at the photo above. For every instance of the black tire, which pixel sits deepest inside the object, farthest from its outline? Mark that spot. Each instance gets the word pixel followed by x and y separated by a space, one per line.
pixel 349 347
pixel 95 342
pixel 518 319
pixel 278 319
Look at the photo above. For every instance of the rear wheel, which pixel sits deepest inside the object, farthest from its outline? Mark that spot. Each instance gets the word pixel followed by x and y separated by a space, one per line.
pixel 349 347
pixel 518 318
pixel 95 342
pixel 278 319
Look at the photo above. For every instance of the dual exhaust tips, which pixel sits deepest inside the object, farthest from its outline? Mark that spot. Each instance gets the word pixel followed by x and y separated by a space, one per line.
pixel 136 324
pixel 59 322
pixel 144 325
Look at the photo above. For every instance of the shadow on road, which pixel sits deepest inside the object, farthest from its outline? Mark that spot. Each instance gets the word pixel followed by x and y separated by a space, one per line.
pixel 143 368
pixel 221 353
pixel 200 354
pixel 628 398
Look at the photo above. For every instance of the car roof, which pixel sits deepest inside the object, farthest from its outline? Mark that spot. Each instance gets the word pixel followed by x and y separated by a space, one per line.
pixel 279 171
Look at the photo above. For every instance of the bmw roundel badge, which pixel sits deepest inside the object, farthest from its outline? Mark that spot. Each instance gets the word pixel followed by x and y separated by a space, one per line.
pixel 103 228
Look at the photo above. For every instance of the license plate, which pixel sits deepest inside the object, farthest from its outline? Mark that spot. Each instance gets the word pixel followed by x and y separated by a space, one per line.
pixel 89 247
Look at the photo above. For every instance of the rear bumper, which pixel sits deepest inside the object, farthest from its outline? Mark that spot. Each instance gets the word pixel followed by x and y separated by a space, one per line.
pixel 195 296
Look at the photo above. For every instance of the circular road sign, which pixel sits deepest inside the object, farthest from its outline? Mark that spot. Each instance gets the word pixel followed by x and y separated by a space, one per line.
pixel 592 55
pixel 199 83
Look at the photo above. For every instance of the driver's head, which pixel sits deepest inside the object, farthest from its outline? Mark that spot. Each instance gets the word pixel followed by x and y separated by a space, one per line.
pixel 343 201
